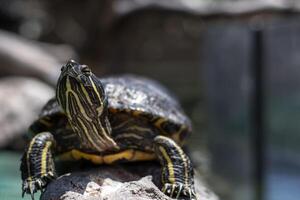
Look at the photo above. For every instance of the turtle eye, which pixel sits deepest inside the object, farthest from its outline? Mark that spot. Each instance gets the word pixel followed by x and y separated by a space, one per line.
pixel 85 69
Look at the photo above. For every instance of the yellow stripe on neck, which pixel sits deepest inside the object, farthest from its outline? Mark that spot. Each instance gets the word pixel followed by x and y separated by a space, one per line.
pixel 44 158
pixel 169 164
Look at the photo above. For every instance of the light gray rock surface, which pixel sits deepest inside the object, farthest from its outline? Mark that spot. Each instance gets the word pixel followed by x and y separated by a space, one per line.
pixel 116 182
pixel 21 99
pixel 24 57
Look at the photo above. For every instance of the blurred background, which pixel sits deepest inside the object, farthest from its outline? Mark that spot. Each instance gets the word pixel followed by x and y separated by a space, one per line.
pixel 233 64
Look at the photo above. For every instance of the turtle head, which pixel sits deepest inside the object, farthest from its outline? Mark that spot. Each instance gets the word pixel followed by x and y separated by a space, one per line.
pixel 81 73
pixel 79 90
pixel 81 96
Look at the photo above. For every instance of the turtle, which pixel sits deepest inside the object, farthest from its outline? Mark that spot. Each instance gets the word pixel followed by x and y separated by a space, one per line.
pixel 109 120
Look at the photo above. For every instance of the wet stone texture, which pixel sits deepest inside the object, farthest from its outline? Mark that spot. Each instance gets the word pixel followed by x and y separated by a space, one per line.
pixel 112 182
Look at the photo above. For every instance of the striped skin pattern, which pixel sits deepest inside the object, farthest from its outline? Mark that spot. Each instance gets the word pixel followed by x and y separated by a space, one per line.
pixel 132 132
pixel 84 104
pixel 105 122
pixel 37 164
pixel 177 171
pixel 136 125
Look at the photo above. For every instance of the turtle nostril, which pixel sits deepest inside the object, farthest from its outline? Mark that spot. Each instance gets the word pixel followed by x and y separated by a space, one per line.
pixel 71 63
pixel 63 68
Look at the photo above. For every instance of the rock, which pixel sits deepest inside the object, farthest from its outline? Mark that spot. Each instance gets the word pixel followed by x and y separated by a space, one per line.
pixel 25 57
pixel 116 182
pixel 204 7
pixel 110 189
pixel 21 99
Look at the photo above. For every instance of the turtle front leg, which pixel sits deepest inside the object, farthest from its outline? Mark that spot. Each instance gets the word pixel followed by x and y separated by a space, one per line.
pixel 37 166
pixel 177 171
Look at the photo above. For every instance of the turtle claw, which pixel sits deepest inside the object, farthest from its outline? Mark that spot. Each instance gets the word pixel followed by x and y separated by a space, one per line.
pixel 32 185
pixel 179 191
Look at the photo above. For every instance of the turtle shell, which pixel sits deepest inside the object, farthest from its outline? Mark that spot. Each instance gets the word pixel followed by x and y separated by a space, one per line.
pixel 133 93
pixel 144 97
pixel 140 97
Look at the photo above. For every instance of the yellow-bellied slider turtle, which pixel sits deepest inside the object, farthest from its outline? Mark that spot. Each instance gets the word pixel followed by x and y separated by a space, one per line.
pixel 107 120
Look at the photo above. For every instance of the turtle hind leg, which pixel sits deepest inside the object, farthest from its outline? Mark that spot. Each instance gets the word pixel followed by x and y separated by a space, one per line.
pixel 37 165
pixel 177 171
